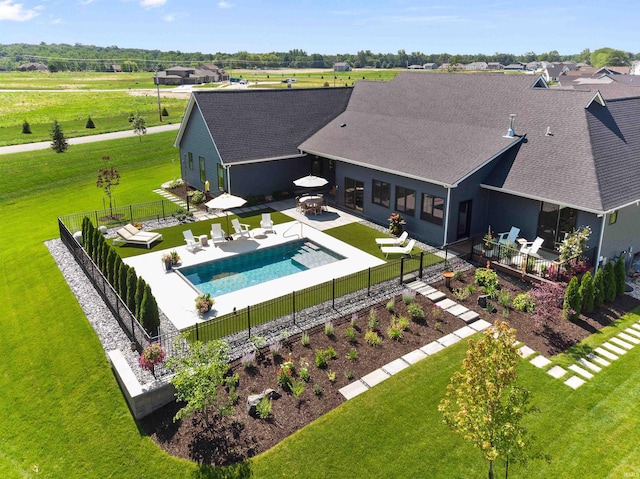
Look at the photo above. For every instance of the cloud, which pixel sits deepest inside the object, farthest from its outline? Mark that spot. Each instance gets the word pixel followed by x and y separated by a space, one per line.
pixel 224 4
pixel 152 3
pixel 9 10
pixel 169 17
pixel 85 2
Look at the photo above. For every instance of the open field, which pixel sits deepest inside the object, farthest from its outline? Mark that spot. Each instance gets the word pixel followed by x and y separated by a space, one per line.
pixel 75 80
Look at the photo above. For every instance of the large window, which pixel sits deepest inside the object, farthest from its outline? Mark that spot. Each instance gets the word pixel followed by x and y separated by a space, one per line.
pixel 554 222
pixel 190 161
pixel 405 201
pixel 354 194
pixel 381 193
pixel 432 209
pixel 203 175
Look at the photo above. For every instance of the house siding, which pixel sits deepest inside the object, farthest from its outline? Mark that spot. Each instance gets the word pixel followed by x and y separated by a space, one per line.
pixel 624 233
pixel 196 140
pixel 254 179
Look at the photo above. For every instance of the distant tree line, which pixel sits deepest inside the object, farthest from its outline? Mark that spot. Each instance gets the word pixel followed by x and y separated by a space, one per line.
pixel 79 57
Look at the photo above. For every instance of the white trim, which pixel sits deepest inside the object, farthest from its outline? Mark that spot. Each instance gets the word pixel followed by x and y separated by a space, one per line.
pixel 604 219
pixel 598 99
pixel 485 163
pixel 262 160
pixel 183 124
pixel 446 222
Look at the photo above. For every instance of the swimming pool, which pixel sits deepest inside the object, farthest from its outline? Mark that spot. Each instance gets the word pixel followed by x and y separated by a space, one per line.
pixel 244 270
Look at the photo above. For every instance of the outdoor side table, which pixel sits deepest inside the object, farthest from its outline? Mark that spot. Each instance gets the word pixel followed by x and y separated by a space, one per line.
pixel 204 240
pixel 447 278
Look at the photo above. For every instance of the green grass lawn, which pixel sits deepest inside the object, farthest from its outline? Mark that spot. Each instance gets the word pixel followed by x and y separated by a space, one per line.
pixel 75 80
pixel 64 416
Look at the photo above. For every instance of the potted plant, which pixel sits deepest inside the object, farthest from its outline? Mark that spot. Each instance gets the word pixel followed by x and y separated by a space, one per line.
pixel 167 261
pixel 151 355
pixel 489 244
pixel 204 302
pixel 396 223
pixel 175 258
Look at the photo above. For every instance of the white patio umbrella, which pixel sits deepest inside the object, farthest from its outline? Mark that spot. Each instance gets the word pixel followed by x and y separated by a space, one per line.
pixel 225 201
pixel 310 181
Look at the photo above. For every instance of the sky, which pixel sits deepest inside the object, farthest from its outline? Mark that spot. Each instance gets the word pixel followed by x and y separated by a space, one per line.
pixel 327 26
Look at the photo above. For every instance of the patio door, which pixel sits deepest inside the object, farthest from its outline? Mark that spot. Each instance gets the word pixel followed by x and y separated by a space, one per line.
pixel 354 194
pixel 464 219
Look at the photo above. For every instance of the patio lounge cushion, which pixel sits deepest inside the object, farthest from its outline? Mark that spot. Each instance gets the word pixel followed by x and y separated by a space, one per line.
pixel 129 234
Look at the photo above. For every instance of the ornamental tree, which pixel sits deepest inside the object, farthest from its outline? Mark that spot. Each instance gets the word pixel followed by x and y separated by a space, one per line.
pixel 598 289
pixel 151 355
pixel 483 403
pixel 149 315
pixel 58 140
pixel 108 178
pixel 198 376
pixel 572 301
pixel 620 274
pixel 609 280
pixel 139 125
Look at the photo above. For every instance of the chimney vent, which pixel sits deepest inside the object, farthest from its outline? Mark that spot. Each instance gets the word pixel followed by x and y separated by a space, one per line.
pixel 548 133
pixel 512 121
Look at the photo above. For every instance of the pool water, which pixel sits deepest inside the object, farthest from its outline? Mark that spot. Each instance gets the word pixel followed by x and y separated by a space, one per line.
pixel 242 271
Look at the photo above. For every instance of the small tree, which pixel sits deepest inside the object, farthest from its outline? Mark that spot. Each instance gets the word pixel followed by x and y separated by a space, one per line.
pixel 123 272
pixel 111 264
pixel 90 123
pixel 609 283
pixel 151 355
pixel 165 112
pixel 572 302
pixel 198 375
pixel 139 125
pixel 483 402
pixel 132 283
pixel 26 128
pixel 620 274
pixel 108 179
pixel 598 289
pixel 58 141
pixel 575 244
pixel 140 285
pixel 149 316
pixel 587 292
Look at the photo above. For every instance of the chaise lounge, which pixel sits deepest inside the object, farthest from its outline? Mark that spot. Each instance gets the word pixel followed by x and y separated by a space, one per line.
pixel 404 250
pixel 399 241
pixel 129 234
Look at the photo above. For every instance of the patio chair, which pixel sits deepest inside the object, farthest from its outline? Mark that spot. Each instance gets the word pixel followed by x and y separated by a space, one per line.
pixel 531 248
pixel 266 223
pixel 129 234
pixel 217 234
pixel 399 241
pixel 193 244
pixel 404 250
pixel 241 229
pixel 509 237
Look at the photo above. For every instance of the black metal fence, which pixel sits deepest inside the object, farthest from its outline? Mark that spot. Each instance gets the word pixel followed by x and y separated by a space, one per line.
pixel 121 215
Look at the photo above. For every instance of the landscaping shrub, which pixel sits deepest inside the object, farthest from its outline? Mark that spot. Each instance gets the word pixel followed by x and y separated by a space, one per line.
pixel 198 197
pixel 303 373
pixel 165 112
pixel 486 278
pixel 89 123
pixel 415 311
pixel 328 328
pixel 149 315
pixel 140 285
pixel 620 276
pixel 587 292
pixel 504 298
pixel 394 332
pixel 321 359
pixel 401 322
pixel 263 408
pixel 461 294
pixel 372 338
pixel 524 302
pixel 352 355
pixel 122 279
pixel 297 388
pixel 331 375
pixel 373 320
pixel 572 302
pixel 330 352
pixel 408 296
pixel 391 304
pixel 598 289
pixel 305 340
pixel 26 128
pixel 150 357
pixel 350 333
pixel 59 142
pixel 132 282
pixel 276 349
pixel 248 360
pixel 285 374
pixel 609 281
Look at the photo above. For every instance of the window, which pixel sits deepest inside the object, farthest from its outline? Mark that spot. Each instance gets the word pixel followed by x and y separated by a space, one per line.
pixel 203 175
pixel 381 193
pixel 432 209
pixel 554 222
pixel 190 161
pixel 354 194
pixel 405 201
pixel 220 177
pixel 613 217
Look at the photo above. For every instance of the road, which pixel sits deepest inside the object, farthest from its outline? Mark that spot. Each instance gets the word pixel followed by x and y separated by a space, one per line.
pixel 43 145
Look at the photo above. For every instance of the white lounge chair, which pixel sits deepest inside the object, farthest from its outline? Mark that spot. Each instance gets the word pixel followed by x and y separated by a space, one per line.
pixel 399 241
pixel 217 233
pixel 266 223
pixel 129 234
pixel 193 244
pixel 404 250
pixel 531 248
pixel 241 229
pixel 510 236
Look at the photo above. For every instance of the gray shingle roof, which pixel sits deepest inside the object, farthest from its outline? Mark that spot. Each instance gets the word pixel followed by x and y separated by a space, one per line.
pixel 258 124
pixel 441 127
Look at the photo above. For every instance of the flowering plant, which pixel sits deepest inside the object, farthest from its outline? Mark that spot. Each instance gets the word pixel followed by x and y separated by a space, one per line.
pixel 137 224
pixel 285 373
pixel 204 303
pixel 489 241
pixel 574 244
pixel 151 355
pixel 395 224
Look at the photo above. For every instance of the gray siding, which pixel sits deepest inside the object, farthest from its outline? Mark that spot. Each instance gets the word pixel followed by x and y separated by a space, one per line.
pixel 197 141
pixel 255 179
pixel 624 233
pixel 507 210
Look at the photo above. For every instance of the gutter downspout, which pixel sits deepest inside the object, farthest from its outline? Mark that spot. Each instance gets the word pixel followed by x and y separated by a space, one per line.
pixel 446 218
pixel 604 217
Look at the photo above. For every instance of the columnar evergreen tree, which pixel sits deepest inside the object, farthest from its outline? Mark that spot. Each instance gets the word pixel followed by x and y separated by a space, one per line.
pixel 587 292
pixel 26 128
pixel 58 141
pixel 483 402
pixel 116 272
pixel 104 255
pixel 97 246
pixel 572 302
pixel 609 279
pixel 90 123
pixel 123 271
pixel 132 284
pixel 111 265
pixel 620 276
pixel 598 289
pixel 149 316
pixel 140 285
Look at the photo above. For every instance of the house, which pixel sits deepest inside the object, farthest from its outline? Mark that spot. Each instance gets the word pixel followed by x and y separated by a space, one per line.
pixel 429 66
pixel 517 66
pixel 552 71
pixel 415 67
pixel 477 66
pixel 341 67
pixel 513 152
pixel 495 66
pixel 31 66
pixel 115 68
pixel 191 76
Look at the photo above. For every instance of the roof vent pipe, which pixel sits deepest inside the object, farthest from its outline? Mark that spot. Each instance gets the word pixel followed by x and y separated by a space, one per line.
pixel 548 133
pixel 512 122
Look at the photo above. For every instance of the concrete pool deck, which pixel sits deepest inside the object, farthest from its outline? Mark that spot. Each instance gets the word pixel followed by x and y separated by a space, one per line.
pixel 176 297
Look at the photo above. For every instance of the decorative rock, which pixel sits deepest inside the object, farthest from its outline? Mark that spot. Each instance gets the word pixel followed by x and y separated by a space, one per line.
pixel 102 229
pixel 78 236
pixel 272 394
pixel 254 399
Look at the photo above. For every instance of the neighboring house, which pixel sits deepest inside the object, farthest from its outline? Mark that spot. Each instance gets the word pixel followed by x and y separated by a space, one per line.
pixel 495 66
pixel 415 67
pixel 553 71
pixel 568 158
pixel 191 76
pixel 477 66
pixel 116 68
pixel 29 67
pixel 430 66
pixel 635 68
pixel 341 67
pixel 515 66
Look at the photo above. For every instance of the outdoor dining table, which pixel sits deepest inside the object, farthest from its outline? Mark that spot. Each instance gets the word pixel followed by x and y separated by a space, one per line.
pixel 312 203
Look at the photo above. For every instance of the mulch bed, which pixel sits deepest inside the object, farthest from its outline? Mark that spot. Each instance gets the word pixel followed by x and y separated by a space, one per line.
pixel 238 437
